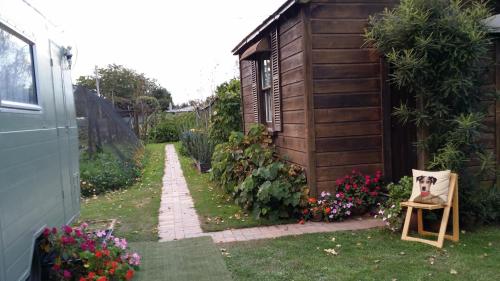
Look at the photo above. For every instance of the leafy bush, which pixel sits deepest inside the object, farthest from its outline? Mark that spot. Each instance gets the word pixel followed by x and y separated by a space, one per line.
pixel 226 113
pixel 105 171
pixel 390 211
pixel 197 145
pixel 248 168
pixel 165 131
pixel 438 52
pixel 80 255
pixel 168 127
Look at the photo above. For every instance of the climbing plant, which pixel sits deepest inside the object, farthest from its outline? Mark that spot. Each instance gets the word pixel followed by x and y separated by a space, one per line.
pixel 438 53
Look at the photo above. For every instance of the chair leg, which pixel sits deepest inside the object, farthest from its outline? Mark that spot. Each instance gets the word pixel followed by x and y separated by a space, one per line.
pixel 442 229
pixel 456 229
pixel 420 222
pixel 406 227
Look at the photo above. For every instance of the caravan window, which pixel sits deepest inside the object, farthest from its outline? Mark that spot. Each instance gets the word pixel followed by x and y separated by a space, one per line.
pixel 17 81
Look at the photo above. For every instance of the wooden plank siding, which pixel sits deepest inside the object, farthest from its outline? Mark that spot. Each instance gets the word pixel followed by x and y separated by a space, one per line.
pixel 346 86
pixel 291 141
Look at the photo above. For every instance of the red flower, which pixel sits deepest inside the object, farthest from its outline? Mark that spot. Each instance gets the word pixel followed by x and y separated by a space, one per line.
pixel 305 212
pixel 301 222
pixel 56 267
pixel 91 275
pixel 82 279
pixel 349 199
pixel 373 193
pixel 328 210
pixel 46 232
pixel 54 230
pixel 129 275
pixel 103 278
pixel 347 187
pixel 98 254
pixel 312 200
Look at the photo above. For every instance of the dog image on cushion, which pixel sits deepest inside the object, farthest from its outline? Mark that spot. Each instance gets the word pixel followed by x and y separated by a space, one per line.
pixel 425 183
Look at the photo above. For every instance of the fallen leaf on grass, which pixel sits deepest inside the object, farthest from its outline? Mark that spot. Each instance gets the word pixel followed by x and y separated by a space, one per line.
pixel 333 239
pixel 402 253
pixel 453 271
pixel 331 251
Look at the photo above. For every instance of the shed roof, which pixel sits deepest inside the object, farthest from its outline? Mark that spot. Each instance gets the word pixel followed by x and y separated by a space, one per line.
pixel 270 20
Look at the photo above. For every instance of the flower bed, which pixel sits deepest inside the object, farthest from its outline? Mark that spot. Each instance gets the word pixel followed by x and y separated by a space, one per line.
pixel 75 254
pixel 356 193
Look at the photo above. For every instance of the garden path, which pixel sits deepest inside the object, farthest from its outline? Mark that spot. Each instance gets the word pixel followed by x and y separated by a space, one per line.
pixel 178 218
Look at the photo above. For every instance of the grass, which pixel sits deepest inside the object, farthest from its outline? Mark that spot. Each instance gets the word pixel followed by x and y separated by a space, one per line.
pixel 366 255
pixel 135 208
pixel 216 209
pixel 188 259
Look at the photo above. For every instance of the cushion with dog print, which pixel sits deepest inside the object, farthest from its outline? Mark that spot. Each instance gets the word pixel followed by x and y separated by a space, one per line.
pixel 430 187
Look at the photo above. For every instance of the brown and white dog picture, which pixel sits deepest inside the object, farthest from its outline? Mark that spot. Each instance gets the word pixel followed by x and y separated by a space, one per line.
pixel 430 187
pixel 425 183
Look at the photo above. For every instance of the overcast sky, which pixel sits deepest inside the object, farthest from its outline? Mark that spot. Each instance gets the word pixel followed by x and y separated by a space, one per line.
pixel 185 45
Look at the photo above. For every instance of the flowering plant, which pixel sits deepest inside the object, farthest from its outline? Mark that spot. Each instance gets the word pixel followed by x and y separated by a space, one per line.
pixel 354 191
pixel 358 189
pixel 82 256
pixel 391 211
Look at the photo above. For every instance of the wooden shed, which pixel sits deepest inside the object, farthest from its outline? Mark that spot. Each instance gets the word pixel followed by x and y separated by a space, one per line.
pixel 306 74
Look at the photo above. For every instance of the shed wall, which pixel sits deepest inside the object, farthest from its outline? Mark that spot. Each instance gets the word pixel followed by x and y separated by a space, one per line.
pixel 291 141
pixel 346 90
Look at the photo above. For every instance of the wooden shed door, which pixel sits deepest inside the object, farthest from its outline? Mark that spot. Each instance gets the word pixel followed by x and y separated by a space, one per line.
pixel 400 152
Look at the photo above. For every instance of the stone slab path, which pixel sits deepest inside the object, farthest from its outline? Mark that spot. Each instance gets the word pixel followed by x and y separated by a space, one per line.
pixel 178 218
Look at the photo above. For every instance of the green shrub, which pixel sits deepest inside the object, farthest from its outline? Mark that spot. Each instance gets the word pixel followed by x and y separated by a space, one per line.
pixel 226 113
pixel 391 211
pixel 169 127
pixel 104 172
pixel 247 167
pixel 439 54
pixel 166 131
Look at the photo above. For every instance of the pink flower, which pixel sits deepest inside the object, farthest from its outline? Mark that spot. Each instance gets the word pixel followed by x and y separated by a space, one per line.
pixel 46 232
pixel 67 229
pixel 67 274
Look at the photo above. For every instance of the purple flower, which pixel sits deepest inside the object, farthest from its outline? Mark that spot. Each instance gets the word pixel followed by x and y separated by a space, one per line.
pixel 334 211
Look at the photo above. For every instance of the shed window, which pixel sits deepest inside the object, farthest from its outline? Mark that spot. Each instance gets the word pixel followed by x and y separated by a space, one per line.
pixel 265 90
pixel 17 81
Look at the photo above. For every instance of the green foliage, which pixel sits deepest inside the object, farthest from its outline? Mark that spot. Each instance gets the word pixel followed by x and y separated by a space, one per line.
pixel 104 172
pixel 168 127
pixel 438 51
pixel 247 167
pixel 197 145
pixel 226 113
pixel 391 210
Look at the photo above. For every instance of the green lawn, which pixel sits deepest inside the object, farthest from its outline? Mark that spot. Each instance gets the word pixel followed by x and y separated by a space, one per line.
pixel 366 255
pixel 216 210
pixel 184 260
pixel 135 208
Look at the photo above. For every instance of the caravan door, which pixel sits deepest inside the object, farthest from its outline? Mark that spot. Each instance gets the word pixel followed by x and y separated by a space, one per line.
pixel 66 131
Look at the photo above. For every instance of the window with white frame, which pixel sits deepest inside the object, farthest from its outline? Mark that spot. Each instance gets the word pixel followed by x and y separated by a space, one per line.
pixel 265 88
pixel 17 80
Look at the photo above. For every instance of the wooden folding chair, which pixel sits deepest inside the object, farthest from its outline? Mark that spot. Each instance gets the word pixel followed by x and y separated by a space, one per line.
pixel 452 203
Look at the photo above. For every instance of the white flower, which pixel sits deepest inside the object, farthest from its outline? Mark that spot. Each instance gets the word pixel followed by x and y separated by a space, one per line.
pixel 389 216
pixel 393 206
